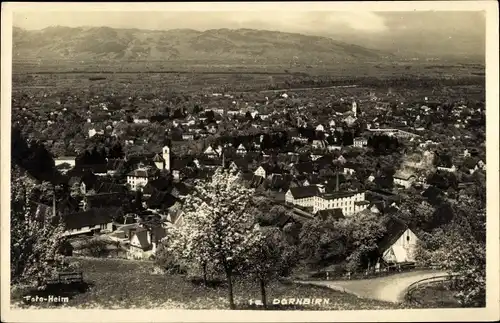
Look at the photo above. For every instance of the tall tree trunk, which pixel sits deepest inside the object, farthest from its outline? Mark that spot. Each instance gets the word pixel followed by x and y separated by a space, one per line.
pixel 204 266
pixel 263 293
pixel 230 288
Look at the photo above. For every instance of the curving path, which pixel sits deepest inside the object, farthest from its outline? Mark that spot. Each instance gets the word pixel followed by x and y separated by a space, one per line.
pixel 389 288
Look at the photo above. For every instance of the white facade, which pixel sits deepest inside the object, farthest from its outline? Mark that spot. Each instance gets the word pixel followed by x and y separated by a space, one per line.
pixel 452 169
pixel 137 182
pixel 304 202
pixel 65 160
pixel 166 157
pixel 260 172
pixel 349 204
pixel 403 250
pixel 360 142
pixel 405 182
pixel 320 128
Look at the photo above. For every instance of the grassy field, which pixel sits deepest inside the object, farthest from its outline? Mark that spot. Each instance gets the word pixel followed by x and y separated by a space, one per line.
pixel 435 296
pixel 132 284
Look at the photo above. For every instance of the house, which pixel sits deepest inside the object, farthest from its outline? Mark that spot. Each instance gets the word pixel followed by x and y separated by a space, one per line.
pixel 138 178
pixel 211 152
pixel 320 128
pixel 141 120
pixel 144 242
pixel 349 170
pixel 360 142
pixel 319 144
pixel 65 160
pixel 160 184
pixel 160 200
pixel 187 136
pixel 398 245
pixel 350 120
pixel 241 150
pixel 302 196
pixel 265 170
pixel 404 178
pixel 159 162
pixel 92 221
pixel 349 202
pixel 114 165
pixel 451 169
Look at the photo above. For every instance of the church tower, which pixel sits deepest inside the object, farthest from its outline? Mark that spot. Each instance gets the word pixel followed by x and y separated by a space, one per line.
pixel 354 108
pixel 166 157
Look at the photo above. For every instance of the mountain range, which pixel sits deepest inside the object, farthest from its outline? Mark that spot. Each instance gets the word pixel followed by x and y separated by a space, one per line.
pixel 222 45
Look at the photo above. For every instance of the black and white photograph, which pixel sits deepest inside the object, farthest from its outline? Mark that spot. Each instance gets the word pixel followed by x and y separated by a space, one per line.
pixel 250 158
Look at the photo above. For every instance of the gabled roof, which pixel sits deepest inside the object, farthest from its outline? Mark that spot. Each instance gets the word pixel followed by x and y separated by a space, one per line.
pixel 395 228
pixel 304 191
pixel 158 159
pixel 91 217
pixel 161 200
pixel 160 184
pixel 108 187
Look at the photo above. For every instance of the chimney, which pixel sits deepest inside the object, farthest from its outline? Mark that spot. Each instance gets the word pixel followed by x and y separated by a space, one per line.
pixel 54 213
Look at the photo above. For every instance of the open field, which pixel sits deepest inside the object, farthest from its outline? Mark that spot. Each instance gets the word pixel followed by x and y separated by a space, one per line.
pixel 132 284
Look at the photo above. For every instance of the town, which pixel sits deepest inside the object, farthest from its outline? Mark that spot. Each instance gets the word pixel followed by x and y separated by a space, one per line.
pixel 127 163
pixel 248 169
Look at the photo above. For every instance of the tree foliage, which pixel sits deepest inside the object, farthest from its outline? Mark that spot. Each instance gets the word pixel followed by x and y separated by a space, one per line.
pixel 35 234
pixel 217 228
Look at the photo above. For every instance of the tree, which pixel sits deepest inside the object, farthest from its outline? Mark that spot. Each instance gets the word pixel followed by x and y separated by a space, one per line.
pixel 270 259
pixel 218 227
pixel 35 234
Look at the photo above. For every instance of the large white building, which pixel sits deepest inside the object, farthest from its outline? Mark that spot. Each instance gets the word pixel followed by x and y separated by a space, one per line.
pixel 349 202
pixel 302 196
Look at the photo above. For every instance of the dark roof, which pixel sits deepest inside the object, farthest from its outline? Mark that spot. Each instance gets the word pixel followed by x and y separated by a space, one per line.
pixel 95 168
pixel 160 184
pixel 242 164
pixel 304 168
pixel 91 217
pixel 180 189
pixel 336 195
pixel 105 200
pixel 395 228
pixel 108 187
pixel 114 164
pixel 304 191
pixel 158 158
pixel 333 213
pixel 179 163
pixel 161 200
pixel 144 172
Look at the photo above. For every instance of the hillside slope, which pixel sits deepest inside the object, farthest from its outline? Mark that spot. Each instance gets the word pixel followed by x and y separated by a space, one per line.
pixel 243 45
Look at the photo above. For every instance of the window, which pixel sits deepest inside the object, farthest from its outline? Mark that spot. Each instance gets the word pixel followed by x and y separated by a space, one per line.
pixel 408 237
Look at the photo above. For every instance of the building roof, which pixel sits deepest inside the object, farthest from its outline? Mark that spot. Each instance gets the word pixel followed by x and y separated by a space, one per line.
pixel 304 191
pixel 404 174
pixel 160 184
pixel 158 159
pixel 91 217
pixel 143 172
pixel 338 195
pixel 395 228
pixel 162 200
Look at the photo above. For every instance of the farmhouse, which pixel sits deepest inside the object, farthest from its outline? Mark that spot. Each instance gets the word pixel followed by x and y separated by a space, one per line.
pixel 398 245
pixel 404 178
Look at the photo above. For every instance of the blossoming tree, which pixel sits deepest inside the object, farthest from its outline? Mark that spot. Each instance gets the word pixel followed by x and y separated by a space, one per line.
pixel 217 225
